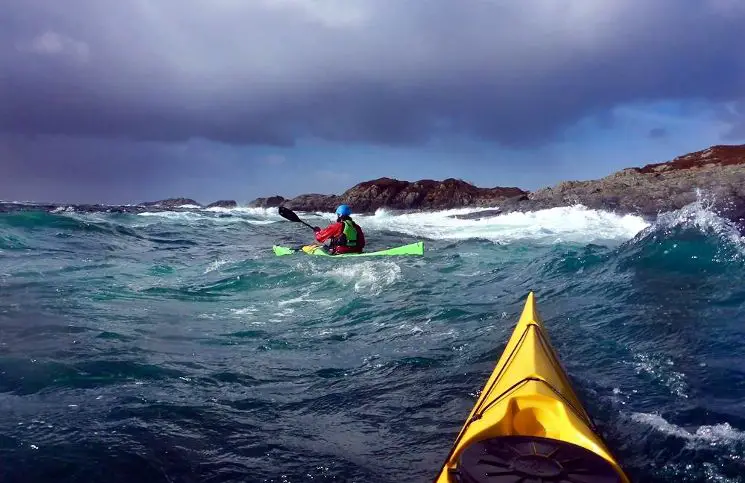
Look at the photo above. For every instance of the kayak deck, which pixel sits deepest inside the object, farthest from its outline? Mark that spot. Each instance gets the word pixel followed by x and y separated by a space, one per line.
pixel 528 424
pixel 416 248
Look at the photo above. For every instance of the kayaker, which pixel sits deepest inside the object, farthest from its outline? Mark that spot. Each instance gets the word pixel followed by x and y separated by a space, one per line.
pixel 345 235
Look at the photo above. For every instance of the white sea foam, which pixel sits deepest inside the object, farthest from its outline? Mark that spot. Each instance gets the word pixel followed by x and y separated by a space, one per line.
pixel 285 312
pixel 173 215
pixel 722 436
pixel 564 224
pixel 241 216
pixel 250 310
pixel 270 214
pixel 712 435
pixel 368 276
pixel 699 215
pixel 305 298
pixel 188 218
pixel 64 209
pixel 216 265
pixel 661 369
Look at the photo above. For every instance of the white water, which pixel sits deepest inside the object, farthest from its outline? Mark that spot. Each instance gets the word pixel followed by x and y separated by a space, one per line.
pixel 556 225
pixel 699 215
pixel 565 224
pixel 369 277
pixel 253 216
pixel 713 435
pixel 661 368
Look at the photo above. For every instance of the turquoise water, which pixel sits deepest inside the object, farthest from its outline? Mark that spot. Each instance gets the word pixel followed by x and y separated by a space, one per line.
pixel 177 347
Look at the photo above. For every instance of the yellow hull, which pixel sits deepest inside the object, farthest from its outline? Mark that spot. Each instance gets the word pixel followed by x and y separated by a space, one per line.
pixel 528 424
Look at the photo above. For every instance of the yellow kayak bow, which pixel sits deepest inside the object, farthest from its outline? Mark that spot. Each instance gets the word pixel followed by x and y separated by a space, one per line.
pixel 528 425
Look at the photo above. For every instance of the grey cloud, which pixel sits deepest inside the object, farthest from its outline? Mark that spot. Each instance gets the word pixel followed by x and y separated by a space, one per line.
pixel 733 116
pixel 381 71
pixel 89 170
pixel 658 133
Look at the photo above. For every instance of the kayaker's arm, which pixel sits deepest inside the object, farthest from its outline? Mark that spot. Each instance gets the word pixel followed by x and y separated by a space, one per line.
pixel 333 230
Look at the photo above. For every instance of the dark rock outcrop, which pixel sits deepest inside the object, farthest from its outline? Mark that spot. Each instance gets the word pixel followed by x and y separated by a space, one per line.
pixel 479 215
pixel 171 203
pixel 368 196
pixel 313 202
pixel 423 194
pixel 270 202
pixel 105 209
pixel 223 204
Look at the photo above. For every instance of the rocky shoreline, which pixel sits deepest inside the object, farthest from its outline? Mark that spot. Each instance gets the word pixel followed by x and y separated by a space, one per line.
pixel 718 172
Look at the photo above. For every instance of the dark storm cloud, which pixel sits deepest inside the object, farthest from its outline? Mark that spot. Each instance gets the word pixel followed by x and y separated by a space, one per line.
pixel 387 71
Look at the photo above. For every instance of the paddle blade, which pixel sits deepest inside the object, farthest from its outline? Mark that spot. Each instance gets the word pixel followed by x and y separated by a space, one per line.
pixel 289 214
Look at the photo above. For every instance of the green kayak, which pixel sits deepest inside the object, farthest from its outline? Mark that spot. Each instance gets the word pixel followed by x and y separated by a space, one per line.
pixel 411 249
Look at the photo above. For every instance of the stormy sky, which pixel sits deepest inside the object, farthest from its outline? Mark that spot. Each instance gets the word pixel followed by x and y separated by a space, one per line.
pixel 144 99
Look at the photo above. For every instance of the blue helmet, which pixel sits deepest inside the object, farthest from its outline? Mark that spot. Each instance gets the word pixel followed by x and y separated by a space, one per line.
pixel 343 210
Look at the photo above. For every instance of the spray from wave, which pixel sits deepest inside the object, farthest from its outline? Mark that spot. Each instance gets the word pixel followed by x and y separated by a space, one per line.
pixel 687 239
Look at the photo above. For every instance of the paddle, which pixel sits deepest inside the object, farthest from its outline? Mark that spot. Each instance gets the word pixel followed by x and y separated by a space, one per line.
pixel 290 215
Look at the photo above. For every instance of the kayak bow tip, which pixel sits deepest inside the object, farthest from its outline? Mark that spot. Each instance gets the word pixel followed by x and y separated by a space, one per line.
pixel 530 313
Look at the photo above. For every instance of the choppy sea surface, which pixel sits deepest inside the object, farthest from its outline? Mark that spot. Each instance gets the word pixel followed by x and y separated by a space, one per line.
pixel 176 347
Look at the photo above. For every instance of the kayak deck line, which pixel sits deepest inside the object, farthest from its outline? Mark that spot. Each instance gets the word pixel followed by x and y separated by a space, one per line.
pixel 580 413
pixel 517 385
pixel 528 423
